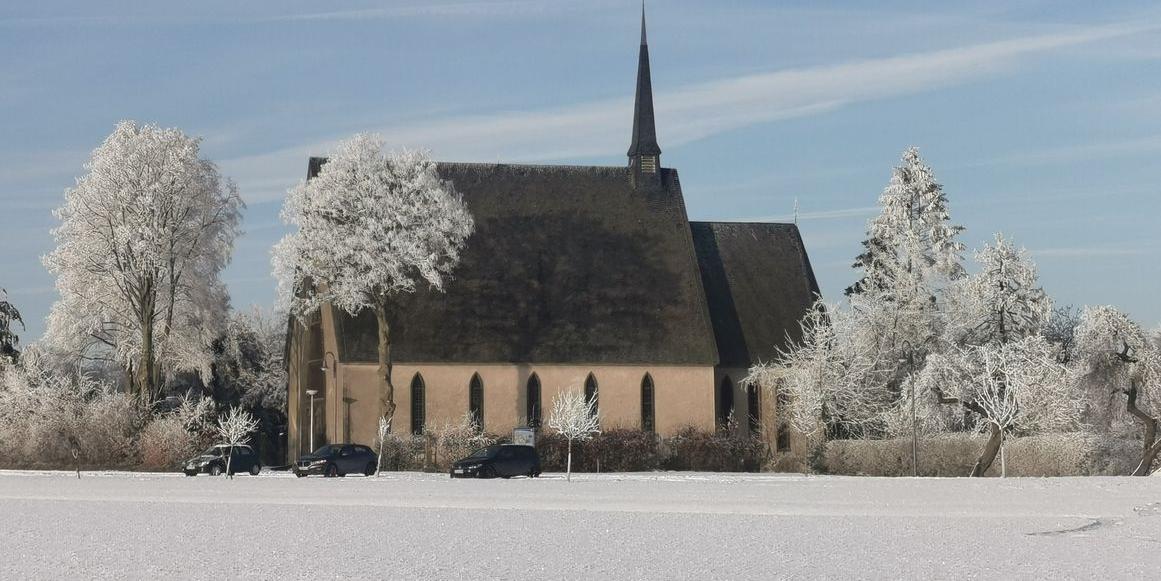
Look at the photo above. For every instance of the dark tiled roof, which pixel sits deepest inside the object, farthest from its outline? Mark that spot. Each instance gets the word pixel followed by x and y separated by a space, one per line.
pixel 758 282
pixel 568 265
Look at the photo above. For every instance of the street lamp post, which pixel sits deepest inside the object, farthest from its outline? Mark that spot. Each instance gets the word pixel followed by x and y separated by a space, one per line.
pixel 312 393
pixel 910 361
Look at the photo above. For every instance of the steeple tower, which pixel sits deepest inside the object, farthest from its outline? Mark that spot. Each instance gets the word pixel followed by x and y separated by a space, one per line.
pixel 644 153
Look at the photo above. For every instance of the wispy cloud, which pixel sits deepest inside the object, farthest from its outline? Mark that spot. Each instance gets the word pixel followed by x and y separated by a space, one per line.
pixel 687 113
pixel 821 214
pixel 1147 145
pixel 505 8
pixel 1081 252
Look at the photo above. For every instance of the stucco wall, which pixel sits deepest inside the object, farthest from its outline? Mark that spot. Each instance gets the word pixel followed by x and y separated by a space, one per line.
pixel 683 395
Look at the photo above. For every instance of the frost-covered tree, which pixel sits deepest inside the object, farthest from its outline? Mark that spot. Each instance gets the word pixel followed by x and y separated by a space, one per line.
pixel 9 318
pixel 370 226
pixel 1003 302
pixel 911 245
pixel 1016 386
pixel 575 418
pixel 143 238
pixel 1119 370
pixel 910 256
pixel 234 429
pixel 383 431
pixel 251 361
pixel 249 370
pixel 835 378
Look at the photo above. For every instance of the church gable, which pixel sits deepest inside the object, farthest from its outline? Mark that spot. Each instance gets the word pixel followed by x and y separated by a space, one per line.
pixel 758 282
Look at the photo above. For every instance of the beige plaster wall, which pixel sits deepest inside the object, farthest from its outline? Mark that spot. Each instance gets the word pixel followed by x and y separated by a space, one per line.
pixel 683 395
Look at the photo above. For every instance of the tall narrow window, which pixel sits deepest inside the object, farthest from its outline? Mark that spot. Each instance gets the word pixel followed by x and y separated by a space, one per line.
pixel 648 423
pixel 783 438
pixel 753 406
pixel 476 400
pixel 418 404
pixel 532 401
pixel 725 402
pixel 591 392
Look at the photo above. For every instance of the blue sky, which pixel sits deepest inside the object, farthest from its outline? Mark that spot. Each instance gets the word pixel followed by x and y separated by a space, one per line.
pixel 1042 119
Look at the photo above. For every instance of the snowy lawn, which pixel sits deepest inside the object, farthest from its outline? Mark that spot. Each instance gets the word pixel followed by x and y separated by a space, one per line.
pixel 660 525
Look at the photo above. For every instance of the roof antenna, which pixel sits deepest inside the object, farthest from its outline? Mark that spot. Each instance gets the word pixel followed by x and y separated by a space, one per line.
pixel 795 210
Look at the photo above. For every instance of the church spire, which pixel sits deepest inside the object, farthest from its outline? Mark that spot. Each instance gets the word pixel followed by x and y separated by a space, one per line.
pixel 643 150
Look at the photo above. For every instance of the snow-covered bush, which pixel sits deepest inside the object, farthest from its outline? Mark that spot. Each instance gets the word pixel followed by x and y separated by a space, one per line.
pixel 453 441
pixel 952 454
pixel 173 437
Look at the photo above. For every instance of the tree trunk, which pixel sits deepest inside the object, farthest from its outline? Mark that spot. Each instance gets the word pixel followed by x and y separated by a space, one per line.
pixel 229 458
pixel 387 387
pixel 145 365
pixel 1152 446
pixel 990 449
pixel 568 469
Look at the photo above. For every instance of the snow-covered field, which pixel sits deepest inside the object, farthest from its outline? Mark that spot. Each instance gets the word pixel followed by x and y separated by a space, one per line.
pixel 660 526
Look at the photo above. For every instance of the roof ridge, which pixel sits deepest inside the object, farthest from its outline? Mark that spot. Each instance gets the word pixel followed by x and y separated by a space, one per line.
pixel 542 166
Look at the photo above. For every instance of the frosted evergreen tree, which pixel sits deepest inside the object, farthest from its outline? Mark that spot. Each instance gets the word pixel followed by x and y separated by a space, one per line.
pixel 9 340
pixel 1004 301
pixel 371 226
pixel 911 245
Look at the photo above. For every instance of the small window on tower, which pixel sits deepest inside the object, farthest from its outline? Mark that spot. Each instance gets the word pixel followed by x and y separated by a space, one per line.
pixel 648 164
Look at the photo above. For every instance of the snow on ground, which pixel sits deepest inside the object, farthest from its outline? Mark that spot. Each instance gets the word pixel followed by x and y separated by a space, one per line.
pixel 620 526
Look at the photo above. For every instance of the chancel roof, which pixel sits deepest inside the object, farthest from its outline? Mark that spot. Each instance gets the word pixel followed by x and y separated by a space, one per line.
pixel 758 282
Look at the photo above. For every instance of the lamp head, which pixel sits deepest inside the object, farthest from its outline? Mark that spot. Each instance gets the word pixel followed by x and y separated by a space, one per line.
pixel 312 392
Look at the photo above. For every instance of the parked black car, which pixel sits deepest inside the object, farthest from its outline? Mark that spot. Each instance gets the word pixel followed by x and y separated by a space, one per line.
pixel 213 461
pixel 338 460
pixel 505 461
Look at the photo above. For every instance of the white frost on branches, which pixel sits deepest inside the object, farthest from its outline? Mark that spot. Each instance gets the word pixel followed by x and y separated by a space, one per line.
pixel 1015 385
pixel 1004 301
pixel 836 375
pixel 574 418
pixel 370 225
pixel 234 429
pixel 144 236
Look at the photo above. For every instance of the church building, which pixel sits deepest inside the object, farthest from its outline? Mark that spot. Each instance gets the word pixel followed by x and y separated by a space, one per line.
pixel 577 277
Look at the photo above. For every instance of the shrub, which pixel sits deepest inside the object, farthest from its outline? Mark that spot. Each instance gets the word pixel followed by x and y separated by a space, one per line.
pixel 402 453
pixel 1061 454
pixel 720 451
pixel 633 450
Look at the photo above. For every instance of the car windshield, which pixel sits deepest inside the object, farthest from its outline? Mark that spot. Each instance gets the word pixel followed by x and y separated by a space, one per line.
pixel 326 450
pixel 485 452
pixel 214 451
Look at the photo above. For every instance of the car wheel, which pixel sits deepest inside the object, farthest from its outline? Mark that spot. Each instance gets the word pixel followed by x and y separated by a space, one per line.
pixel 369 470
pixel 215 470
pixel 331 471
pixel 255 469
pixel 299 474
pixel 487 472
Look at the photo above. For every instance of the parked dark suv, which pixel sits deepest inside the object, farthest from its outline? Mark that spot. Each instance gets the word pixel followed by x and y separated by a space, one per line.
pixel 337 460
pixel 505 461
pixel 213 461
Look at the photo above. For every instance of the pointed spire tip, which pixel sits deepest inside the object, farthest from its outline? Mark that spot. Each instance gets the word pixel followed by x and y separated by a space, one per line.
pixel 643 42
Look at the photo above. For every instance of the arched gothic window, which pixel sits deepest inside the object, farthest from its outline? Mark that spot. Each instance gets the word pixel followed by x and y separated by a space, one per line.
pixel 418 404
pixel 532 401
pixel 753 405
pixel 725 402
pixel 648 422
pixel 476 400
pixel 591 393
